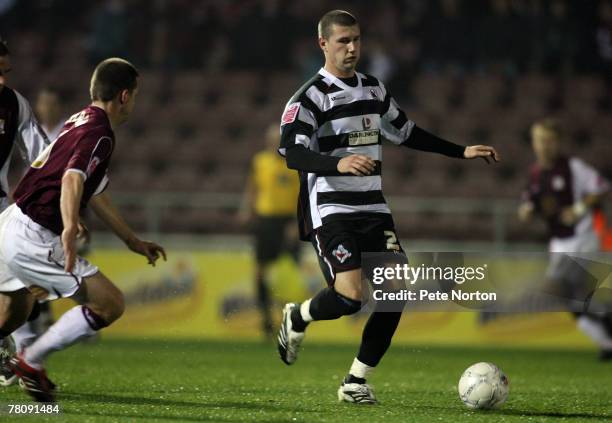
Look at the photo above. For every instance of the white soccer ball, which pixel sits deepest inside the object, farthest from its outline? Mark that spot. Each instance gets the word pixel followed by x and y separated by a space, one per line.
pixel 483 386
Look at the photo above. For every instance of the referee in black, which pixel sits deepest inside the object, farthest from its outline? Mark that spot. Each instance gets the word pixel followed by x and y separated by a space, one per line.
pixel 331 132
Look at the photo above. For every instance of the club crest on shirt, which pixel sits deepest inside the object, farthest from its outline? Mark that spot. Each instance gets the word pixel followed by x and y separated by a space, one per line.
pixel 341 253
pixel 558 183
pixel 1 126
pixel 291 112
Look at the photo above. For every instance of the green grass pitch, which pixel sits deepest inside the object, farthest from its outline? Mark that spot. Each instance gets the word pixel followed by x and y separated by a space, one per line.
pixel 186 381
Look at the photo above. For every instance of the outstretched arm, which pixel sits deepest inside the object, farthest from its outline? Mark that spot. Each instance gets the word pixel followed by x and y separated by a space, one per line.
pixel 108 213
pixel 420 139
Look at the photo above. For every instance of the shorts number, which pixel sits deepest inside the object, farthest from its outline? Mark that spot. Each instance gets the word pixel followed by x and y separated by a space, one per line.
pixel 392 243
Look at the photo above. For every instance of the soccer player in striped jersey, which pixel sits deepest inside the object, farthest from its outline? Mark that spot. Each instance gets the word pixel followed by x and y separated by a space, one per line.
pixel 331 132
pixel 20 131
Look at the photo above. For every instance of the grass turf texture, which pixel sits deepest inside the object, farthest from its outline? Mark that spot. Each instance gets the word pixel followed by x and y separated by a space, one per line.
pixel 120 380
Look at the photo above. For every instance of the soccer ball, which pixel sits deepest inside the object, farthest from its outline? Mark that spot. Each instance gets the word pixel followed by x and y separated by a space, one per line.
pixel 483 386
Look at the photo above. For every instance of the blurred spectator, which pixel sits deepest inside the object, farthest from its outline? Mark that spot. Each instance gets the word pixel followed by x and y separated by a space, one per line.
pixel 445 47
pixel 559 40
pixel 498 47
pixel 7 15
pixel 604 50
pixel 379 62
pixel 307 57
pixel 109 33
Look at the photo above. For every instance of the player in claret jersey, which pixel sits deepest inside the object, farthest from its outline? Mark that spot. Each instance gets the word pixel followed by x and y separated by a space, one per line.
pixel 567 192
pixel 38 233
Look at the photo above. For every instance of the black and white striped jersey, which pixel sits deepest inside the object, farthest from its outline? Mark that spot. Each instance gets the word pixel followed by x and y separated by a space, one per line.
pixel 18 129
pixel 332 118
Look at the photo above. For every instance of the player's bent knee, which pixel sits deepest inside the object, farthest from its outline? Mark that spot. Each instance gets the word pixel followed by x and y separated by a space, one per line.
pixel 348 284
pixel 103 298
pixel 114 308
pixel 119 305
pixel 349 306
pixel 107 313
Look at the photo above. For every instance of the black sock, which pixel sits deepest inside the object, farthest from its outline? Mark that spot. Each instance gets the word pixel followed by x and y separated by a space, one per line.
pixel 298 324
pixel 377 335
pixel 35 311
pixel 354 379
pixel 607 322
pixel 326 305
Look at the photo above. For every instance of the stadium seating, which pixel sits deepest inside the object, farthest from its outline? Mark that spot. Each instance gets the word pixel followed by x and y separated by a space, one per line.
pixel 196 132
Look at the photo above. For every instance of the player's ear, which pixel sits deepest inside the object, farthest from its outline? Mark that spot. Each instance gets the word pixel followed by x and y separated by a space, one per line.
pixel 323 43
pixel 124 96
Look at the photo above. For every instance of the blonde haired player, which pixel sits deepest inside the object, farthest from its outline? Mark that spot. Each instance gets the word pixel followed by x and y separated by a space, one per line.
pixel 565 191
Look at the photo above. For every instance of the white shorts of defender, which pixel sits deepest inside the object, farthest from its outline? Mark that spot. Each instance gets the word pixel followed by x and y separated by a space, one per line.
pixel 32 255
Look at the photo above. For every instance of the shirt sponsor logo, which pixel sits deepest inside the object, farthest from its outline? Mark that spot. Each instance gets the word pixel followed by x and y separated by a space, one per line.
pixel 366 122
pixel 341 253
pixel 373 93
pixel 291 113
pixel 338 97
pixel 363 137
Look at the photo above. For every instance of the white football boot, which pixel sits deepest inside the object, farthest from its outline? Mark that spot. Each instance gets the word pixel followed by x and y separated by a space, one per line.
pixel 289 341
pixel 357 393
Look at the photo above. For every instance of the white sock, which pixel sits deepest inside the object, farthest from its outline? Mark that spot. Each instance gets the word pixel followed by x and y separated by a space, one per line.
pixel 596 331
pixel 24 336
pixel 305 311
pixel 71 327
pixel 360 370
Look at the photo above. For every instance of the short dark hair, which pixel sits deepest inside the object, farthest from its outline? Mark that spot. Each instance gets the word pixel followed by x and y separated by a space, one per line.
pixel 338 17
pixel 4 51
pixel 111 77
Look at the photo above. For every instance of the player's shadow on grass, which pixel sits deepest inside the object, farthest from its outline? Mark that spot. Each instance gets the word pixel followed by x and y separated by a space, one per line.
pixel 158 402
pixel 531 413
pixel 552 414
pixel 146 416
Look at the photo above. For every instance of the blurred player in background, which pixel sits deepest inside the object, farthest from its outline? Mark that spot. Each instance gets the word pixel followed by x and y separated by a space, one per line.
pixel 18 129
pixel 269 206
pixel 38 234
pixel 50 112
pixel 332 130
pixel 565 191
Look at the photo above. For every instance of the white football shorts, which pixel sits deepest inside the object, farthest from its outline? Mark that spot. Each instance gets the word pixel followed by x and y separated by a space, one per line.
pixel 31 254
